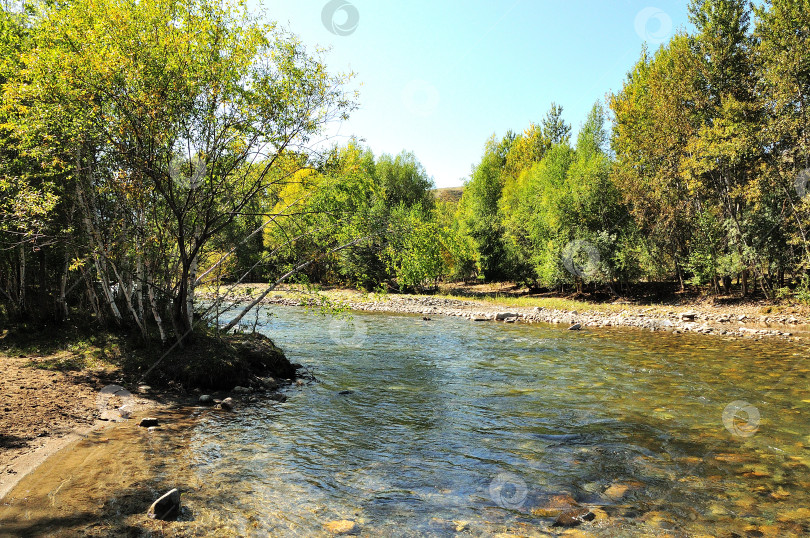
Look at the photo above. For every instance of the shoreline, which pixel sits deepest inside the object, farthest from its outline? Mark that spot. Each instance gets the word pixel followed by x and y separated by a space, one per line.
pixel 736 321
pixel 20 462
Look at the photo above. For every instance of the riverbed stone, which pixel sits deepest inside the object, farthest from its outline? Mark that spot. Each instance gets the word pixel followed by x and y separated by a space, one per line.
pixel 166 507
pixel 240 390
pixel 554 505
pixel 575 327
pixel 206 399
pixel 342 526
pixel 147 422
pixel 227 404
pixel 572 518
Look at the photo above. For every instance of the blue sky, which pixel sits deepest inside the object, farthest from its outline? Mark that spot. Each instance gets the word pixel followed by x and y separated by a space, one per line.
pixel 439 78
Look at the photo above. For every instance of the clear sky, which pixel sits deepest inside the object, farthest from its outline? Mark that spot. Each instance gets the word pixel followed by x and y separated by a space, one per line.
pixel 439 78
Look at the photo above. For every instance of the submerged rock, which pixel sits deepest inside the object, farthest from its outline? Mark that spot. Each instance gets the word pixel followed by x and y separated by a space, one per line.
pixel 343 526
pixel 572 518
pixel 148 422
pixel 166 507
pixel 554 505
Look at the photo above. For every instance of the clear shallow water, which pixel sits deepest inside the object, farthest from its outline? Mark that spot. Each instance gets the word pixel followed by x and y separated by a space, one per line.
pixel 478 423
pixel 460 428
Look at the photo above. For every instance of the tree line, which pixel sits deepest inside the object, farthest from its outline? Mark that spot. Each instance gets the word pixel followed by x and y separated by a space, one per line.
pixel 695 171
pixel 147 148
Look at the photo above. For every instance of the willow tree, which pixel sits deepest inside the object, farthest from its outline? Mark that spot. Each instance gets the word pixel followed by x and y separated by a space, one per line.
pixel 175 115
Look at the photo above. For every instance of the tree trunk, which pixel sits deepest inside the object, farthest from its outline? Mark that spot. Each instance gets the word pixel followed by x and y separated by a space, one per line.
pixel 744 283
pixel 679 272
pixel 21 294
pixel 153 304
pixel 63 309
pixel 128 302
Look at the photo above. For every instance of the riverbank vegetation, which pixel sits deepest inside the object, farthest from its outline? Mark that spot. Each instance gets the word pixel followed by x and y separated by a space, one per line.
pixel 149 148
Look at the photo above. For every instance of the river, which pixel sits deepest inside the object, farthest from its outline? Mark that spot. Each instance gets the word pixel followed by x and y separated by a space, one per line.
pixel 450 427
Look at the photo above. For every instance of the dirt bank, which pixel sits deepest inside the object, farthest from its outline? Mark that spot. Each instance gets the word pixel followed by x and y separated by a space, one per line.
pixel 43 410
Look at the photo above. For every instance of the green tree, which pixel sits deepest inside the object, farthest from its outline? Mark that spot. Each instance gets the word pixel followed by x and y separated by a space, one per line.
pixel 213 97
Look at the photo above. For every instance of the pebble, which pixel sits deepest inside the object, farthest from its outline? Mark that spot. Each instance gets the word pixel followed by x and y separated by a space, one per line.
pixel 343 526
pixel 572 518
pixel 648 319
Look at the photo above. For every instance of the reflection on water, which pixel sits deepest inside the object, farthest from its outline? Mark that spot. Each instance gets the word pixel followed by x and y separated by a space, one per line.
pixel 454 427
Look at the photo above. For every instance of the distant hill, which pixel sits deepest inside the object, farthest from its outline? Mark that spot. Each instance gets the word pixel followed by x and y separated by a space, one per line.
pixel 448 194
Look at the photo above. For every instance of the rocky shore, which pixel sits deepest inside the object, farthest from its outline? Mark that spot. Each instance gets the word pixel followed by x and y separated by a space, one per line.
pixel 719 321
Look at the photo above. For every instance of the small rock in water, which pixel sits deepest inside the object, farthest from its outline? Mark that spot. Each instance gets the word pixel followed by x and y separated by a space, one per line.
pixel 343 526
pixel 500 316
pixel 278 397
pixel 148 422
pixel 344 392
pixel 227 404
pixel 554 505
pixel 425 318
pixel 206 399
pixel 572 518
pixel 166 507
pixel 575 327
pixel 241 390
pixel 144 389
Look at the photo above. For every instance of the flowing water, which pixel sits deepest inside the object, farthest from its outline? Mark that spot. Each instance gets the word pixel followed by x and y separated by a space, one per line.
pixel 449 427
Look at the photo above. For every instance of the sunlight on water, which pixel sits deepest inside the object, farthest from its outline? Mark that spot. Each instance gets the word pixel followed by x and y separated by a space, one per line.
pixel 457 427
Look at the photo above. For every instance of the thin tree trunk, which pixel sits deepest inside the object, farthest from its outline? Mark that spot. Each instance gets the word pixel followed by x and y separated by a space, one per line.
pixel 63 289
pixel 95 247
pixel 128 302
pixel 21 294
pixel 744 278
pixel 91 296
pixel 153 304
